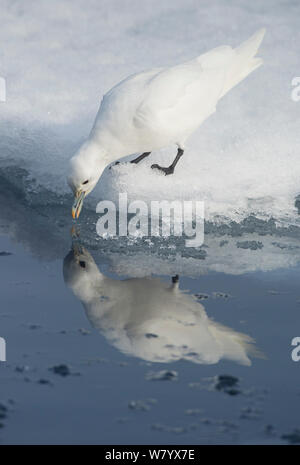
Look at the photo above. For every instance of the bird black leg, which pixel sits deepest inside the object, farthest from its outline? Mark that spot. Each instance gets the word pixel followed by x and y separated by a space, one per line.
pixel 136 160
pixel 175 282
pixel 169 169
pixel 140 157
pixel 175 279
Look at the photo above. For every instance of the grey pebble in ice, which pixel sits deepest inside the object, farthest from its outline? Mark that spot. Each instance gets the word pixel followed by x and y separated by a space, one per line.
pixel 141 405
pixel 22 368
pixel 193 411
pixel 62 370
pixel 222 295
pixel 293 437
pixel 44 381
pixel 224 242
pixel 3 414
pixel 162 375
pixel 168 429
pixel 252 245
pixel 84 331
pixel 201 296
pixel 250 413
pixel 228 384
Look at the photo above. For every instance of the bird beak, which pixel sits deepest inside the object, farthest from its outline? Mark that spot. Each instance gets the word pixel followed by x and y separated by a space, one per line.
pixel 77 205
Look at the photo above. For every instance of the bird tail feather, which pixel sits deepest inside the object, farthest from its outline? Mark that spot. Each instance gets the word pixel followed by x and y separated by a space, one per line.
pixel 244 61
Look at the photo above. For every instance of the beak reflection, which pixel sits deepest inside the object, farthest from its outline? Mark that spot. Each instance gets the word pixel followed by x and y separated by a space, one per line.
pixel 77 205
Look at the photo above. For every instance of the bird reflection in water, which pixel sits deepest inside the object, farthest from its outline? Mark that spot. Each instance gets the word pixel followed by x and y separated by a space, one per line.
pixel 151 319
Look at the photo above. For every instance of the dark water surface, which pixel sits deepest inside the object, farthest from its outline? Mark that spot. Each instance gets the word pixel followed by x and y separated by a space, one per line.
pixel 92 359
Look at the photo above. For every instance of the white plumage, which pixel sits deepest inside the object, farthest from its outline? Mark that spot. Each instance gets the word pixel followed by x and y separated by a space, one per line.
pixel 149 319
pixel 156 108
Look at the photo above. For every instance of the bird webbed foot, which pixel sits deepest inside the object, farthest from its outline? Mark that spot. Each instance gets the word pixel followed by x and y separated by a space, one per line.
pixel 167 170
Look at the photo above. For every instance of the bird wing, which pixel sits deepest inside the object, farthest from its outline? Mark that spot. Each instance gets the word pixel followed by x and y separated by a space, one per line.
pixel 183 96
pixel 121 101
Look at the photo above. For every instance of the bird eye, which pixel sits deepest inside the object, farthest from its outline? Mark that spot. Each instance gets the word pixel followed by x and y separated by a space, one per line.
pixel 85 182
pixel 82 264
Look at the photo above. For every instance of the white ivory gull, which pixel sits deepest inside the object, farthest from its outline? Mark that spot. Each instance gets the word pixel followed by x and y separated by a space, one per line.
pixel 150 319
pixel 156 108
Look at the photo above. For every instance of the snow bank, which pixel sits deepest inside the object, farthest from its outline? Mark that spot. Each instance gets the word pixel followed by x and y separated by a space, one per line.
pixel 59 57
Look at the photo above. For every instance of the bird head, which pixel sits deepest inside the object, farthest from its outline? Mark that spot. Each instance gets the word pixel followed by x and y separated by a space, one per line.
pixel 86 168
pixel 81 273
